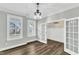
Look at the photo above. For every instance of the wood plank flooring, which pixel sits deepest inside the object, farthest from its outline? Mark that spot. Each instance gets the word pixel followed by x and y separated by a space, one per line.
pixel 37 48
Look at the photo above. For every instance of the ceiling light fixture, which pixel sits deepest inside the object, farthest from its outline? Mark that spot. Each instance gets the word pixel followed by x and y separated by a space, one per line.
pixel 37 13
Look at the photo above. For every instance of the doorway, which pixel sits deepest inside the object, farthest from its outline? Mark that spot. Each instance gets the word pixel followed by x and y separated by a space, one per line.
pixel 55 30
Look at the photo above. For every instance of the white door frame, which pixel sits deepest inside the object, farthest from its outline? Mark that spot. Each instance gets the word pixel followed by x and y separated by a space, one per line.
pixel 46 29
pixel 57 20
pixel 45 40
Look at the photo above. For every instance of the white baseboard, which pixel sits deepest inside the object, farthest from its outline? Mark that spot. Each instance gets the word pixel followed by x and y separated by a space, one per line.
pixel 6 48
pixel 56 40
pixel 31 40
pixel 2 49
pixel 70 52
pixel 42 41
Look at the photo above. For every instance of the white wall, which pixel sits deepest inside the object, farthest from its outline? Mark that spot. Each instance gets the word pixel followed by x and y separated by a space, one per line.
pixel 74 12
pixel 4 44
pixel 56 34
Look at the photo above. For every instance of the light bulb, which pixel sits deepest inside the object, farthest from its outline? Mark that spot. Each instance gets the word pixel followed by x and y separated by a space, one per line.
pixel 40 17
pixel 37 16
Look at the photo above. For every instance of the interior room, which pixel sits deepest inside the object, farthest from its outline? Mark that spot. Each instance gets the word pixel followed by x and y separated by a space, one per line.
pixel 39 28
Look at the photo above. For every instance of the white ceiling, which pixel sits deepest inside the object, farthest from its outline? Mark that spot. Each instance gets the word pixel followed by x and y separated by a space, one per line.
pixel 46 9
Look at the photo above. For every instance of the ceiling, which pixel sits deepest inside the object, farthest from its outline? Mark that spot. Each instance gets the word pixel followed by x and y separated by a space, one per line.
pixel 28 9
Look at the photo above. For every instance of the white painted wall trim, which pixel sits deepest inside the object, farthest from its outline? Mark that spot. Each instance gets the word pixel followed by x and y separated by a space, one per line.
pixel 11 11
pixel 42 41
pixel 50 21
pixel 2 49
pixel 14 46
pixel 63 10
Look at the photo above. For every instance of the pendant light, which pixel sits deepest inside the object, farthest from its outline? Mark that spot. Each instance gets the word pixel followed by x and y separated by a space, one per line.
pixel 37 13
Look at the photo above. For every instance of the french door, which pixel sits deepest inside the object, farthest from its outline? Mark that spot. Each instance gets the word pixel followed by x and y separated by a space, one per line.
pixel 71 42
pixel 42 33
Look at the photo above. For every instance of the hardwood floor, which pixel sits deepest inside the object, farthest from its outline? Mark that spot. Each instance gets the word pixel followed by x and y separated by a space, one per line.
pixel 37 48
